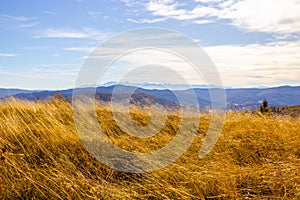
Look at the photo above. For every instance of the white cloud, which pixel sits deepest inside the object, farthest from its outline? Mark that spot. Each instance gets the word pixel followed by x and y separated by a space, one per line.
pixel 56 55
pixel 129 3
pixel 203 21
pixel 165 8
pixel 16 18
pixel 58 66
pixel 43 74
pixel 7 55
pixel 48 12
pixel 28 25
pixel 17 21
pixel 94 14
pixel 55 33
pixel 149 21
pixel 57 76
pixel 71 33
pixel 250 65
pixel 271 64
pixel 36 47
pixel 266 15
pixel 280 17
pixel 208 1
pixel 83 49
pixel 151 65
pixel 56 69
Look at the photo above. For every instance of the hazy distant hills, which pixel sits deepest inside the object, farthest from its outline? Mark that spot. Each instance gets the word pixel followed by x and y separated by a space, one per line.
pixel 138 98
pixel 237 99
pixel 8 92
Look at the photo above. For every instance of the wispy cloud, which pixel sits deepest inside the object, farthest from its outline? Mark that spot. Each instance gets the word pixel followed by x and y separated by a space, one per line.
pixel 94 14
pixel 18 21
pixel 203 21
pixel 149 21
pixel 55 33
pixel 48 12
pixel 59 65
pixel 245 65
pixel 270 64
pixel 55 74
pixel 56 55
pixel 208 1
pixel 7 55
pixel 83 49
pixel 16 18
pixel 71 33
pixel 36 79
pixel 36 47
pixel 129 3
pixel 279 17
pixel 28 25
pixel 56 69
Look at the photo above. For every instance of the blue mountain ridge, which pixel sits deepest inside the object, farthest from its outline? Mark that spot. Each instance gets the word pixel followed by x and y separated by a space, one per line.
pixel 237 98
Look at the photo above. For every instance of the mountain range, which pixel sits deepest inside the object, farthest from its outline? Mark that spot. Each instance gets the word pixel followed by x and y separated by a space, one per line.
pixel 10 92
pixel 237 98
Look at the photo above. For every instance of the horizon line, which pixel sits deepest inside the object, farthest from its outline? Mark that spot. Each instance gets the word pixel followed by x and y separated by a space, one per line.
pixel 196 86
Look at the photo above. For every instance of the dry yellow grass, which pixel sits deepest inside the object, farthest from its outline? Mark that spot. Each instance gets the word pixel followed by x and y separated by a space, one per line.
pixel 42 158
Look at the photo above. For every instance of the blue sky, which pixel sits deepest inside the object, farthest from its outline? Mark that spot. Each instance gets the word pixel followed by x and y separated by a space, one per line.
pixel 252 43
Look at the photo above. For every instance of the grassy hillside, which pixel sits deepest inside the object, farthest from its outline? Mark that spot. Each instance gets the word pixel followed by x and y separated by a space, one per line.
pixel 257 156
pixel 293 111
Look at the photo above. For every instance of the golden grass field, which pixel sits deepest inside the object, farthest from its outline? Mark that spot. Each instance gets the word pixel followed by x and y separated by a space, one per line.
pixel 257 156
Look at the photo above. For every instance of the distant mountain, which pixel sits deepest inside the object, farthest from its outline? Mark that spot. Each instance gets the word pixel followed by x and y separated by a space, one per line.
pixel 34 95
pixel 152 86
pixel 284 95
pixel 9 92
pixel 237 99
pixel 139 98
pixel 240 99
